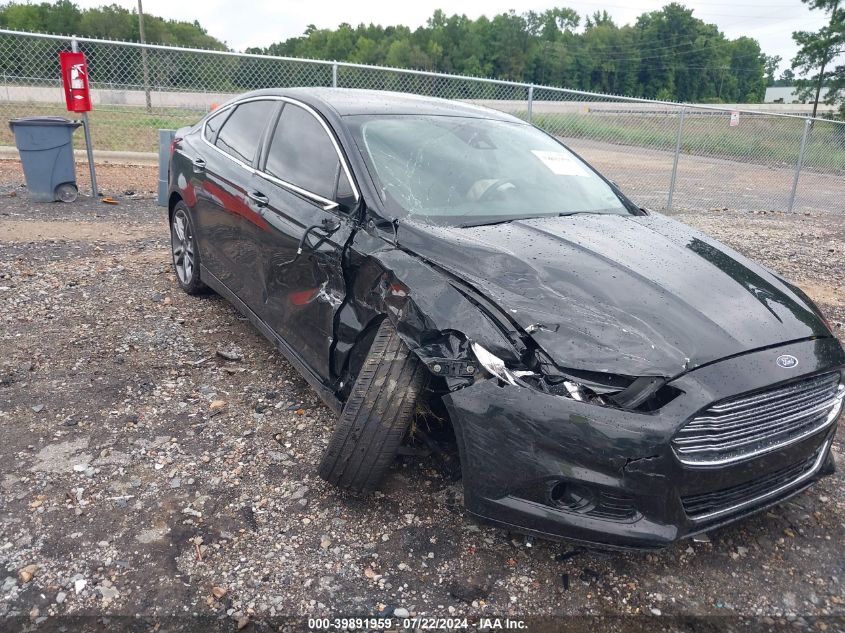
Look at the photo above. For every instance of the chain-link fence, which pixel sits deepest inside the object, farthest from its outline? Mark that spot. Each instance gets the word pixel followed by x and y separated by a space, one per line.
pixel 663 155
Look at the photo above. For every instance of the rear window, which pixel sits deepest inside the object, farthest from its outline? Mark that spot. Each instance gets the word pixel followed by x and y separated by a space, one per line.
pixel 241 132
pixel 212 125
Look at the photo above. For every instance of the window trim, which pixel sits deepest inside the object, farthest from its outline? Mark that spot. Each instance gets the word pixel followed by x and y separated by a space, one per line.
pixel 217 113
pixel 324 202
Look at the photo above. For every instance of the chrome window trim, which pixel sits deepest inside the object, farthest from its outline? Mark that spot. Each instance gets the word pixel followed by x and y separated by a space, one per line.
pixel 771 493
pixel 212 115
pixel 829 420
pixel 324 202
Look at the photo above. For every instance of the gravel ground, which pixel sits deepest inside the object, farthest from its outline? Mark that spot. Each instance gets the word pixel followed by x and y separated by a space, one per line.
pixel 143 474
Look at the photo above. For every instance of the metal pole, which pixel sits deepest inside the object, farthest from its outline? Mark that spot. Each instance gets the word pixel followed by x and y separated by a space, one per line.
pixel 144 62
pixel 530 101
pixel 74 46
pixel 334 74
pixel 677 155
pixel 807 125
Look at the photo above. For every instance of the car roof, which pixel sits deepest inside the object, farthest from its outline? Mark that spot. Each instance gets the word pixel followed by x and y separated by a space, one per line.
pixel 352 101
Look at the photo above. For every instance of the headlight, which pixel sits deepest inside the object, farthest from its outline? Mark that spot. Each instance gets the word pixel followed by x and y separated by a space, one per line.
pixel 496 366
pixel 644 393
pixel 493 364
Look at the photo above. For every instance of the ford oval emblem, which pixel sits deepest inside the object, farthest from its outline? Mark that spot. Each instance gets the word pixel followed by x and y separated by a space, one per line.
pixel 787 361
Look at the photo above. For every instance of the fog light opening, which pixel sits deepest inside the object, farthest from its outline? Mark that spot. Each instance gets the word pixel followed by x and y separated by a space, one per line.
pixel 572 496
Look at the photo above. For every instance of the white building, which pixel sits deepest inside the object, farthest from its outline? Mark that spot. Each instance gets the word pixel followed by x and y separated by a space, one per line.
pixel 787 94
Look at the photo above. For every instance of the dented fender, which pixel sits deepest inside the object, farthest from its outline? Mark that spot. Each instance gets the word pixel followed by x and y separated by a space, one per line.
pixel 432 317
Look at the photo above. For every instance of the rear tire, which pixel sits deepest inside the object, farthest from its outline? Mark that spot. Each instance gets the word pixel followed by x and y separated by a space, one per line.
pixel 376 416
pixel 186 254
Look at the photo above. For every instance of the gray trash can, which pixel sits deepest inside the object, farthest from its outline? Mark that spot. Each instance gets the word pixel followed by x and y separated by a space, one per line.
pixel 45 144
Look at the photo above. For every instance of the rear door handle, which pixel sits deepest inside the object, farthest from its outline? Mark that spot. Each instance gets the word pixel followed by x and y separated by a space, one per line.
pixel 258 198
pixel 199 165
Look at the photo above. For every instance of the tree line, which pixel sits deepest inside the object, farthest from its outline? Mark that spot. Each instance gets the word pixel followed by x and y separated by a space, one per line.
pixel 668 54
pixel 107 22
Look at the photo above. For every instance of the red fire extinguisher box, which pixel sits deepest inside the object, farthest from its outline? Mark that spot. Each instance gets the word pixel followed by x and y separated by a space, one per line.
pixel 75 81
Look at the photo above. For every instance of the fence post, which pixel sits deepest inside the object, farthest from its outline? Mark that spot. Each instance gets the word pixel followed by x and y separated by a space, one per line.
pixel 530 101
pixel 677 155
pixel 807 124
pixel 145 62
pixel 334 74
pixel 74 46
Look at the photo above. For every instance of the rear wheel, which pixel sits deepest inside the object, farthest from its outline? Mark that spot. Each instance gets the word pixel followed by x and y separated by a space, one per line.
pixel 377 414
pixel 186 257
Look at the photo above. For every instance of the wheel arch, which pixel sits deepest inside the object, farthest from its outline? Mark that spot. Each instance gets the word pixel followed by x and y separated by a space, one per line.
pixel 172 201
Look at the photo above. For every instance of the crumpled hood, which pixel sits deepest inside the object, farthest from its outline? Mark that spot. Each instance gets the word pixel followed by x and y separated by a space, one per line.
pixel 632 295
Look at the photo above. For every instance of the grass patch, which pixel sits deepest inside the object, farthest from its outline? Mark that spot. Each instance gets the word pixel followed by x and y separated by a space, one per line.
pixel 763 140
pixel 759 139
pixel 120 128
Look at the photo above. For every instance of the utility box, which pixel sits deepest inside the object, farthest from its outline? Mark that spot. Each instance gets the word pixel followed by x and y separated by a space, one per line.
pixel 45 145
pixel 165 138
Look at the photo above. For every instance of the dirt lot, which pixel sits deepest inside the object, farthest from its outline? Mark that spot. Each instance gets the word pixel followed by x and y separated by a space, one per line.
pixel 143 475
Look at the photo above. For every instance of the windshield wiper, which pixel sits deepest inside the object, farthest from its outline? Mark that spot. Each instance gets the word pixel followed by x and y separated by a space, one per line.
pixel 469 225
pixel 495 221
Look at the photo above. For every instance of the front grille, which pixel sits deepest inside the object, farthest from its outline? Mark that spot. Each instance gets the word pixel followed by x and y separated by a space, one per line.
pixel 721 502
pixel 749 425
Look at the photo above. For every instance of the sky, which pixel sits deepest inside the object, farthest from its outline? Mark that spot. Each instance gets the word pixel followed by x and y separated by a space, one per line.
pixel 245 23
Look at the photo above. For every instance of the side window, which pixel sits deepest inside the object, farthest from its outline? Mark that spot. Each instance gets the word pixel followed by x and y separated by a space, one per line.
pixel 213 124
pixel 344 192
pixel 241 132
pixel 302 153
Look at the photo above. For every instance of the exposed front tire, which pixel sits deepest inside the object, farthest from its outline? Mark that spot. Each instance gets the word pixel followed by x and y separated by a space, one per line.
pixel 376 416
pixel 183 246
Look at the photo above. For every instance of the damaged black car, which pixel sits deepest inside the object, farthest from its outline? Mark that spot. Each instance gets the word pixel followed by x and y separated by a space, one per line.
pixel 610 375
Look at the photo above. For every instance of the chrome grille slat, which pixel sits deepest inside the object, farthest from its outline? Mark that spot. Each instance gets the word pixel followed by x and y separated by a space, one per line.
pixel 796 403
pixel 745 426
pixel 798 419
pixel 723 446
pixel 831 379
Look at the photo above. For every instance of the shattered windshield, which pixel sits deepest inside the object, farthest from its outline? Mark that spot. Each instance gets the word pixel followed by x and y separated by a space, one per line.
pixel 468 171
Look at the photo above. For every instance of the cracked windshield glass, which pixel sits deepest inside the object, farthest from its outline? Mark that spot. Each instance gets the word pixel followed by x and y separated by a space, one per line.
pixel 462 171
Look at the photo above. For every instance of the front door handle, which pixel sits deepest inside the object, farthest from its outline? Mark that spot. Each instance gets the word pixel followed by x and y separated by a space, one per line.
pixel 199 165
pixel 258 198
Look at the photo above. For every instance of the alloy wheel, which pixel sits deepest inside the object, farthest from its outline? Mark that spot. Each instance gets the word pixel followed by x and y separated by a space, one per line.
pixel 182 244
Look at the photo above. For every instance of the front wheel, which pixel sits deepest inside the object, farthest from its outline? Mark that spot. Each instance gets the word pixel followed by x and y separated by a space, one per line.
pixel 183 246
pixel 376 416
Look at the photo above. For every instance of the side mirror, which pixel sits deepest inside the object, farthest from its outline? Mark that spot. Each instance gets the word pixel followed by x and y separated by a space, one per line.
pixel 330 225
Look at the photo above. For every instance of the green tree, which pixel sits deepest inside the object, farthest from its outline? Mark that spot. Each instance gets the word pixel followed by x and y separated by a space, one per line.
pixel 817 51
pixel 771 63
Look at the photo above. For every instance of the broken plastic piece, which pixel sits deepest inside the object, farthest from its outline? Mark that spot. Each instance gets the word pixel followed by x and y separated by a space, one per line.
pixel 493 364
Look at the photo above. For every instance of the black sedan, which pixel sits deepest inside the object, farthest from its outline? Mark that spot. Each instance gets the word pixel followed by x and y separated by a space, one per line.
pixel 610 375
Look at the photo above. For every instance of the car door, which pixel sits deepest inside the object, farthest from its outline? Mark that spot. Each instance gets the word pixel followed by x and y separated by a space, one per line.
pixel 302 249
pixel 231 141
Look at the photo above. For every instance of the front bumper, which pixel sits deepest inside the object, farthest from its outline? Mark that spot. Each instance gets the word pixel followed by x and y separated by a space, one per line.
pixel 520 447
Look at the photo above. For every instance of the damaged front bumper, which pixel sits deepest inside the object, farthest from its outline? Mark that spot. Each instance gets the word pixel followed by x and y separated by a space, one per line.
pixel 558 468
